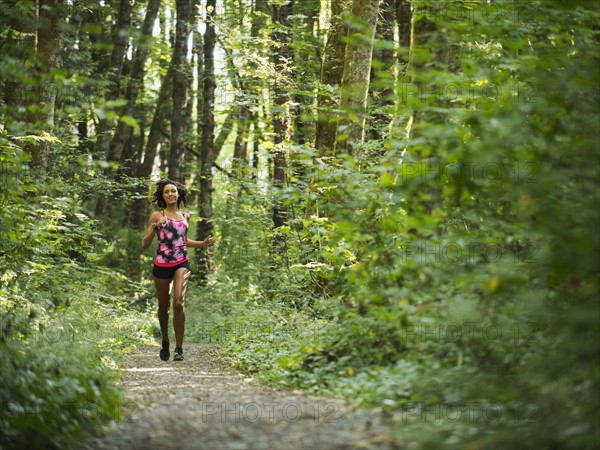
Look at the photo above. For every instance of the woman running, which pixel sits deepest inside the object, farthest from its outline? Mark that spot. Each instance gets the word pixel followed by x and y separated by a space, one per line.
pixel 171 264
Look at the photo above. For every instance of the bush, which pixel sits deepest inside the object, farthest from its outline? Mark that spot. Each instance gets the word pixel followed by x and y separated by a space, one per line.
pixel 65 320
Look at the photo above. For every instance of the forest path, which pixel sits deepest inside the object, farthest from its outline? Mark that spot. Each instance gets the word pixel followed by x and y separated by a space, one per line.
pixel 201 403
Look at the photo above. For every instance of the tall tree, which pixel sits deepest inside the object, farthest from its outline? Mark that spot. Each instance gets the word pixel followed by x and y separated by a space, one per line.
pixel 205 181
pixel 47 51
pixel 331 77
pixel 135 81
pixel 257 23
pixel 240 147
pixel 120 41
pixel 239 114
pixel 428 49
pixel 357 71
pixel 181 77
pixel 403 18
pixel 198 49
pixel 158 128
pixel 307 54
pixel 381 90
pixel 404 25
pixel 281 114
pixel 18 43
pixel 198 53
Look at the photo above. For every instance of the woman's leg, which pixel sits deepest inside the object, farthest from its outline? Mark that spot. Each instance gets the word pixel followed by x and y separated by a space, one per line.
pixel 180 281
pixel 164 303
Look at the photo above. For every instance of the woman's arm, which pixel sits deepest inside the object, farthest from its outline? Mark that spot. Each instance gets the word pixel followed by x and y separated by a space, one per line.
pixel 149 234
pixel 199 244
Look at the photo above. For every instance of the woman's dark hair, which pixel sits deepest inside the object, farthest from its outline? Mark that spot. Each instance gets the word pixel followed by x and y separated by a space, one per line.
pixel 160 187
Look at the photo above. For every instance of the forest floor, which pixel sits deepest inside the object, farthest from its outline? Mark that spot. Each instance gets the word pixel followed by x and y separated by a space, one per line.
pixel 201 403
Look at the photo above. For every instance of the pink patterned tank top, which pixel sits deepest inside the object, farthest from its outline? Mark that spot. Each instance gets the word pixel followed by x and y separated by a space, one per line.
pixel 171 249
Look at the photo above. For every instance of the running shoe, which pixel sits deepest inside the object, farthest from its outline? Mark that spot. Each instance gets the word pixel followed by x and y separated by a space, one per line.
pixel 165 354
pixel 178 354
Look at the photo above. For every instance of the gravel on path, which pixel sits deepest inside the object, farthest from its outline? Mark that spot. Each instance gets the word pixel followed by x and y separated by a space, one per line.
pixel 201 403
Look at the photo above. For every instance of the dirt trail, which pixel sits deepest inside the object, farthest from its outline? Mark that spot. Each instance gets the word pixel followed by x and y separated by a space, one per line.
pixel 201 403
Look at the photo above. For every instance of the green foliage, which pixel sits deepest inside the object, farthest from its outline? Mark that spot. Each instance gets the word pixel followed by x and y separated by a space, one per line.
pixel 65 320
pixel 59 369
pixel 448 276
pixel 455 271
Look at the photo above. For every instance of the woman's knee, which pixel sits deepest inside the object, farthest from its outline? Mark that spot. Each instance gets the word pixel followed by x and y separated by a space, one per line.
pixel 179 303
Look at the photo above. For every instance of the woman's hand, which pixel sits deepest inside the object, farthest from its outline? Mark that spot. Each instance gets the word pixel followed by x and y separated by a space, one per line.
pixel 160 222
pixel 208 242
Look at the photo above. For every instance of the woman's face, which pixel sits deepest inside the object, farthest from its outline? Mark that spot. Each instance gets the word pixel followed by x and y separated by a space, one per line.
pixel 170 194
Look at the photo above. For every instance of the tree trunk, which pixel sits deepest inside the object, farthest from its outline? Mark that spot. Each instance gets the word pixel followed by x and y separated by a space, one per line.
pixel 189 159
pixel 331 78
pixel 205 224
pixel 224 132
pixel 120 39
pixel 158 127
pixel 404 20
pixel 381 95
pixel 48 49
pixel 199 51
pixel 240 148
pixel 399 123
pixel 161 112
pixel 17 23
pixel 258 22
pixel 136 80
pixel 281 113
pixel 357 70
pixel 427 48
pixel 180 88
pixel 307 56
pixel 256 139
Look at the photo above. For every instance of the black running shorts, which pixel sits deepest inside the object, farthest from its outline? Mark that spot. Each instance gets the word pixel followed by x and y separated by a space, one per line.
pixel 169 272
